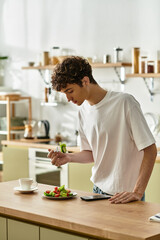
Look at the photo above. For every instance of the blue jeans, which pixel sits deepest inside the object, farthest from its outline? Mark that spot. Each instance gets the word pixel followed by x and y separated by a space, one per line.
pixel 98 190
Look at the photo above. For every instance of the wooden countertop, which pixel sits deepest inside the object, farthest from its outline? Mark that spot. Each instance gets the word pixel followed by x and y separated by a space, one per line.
pixel 35 144
pixel 99 219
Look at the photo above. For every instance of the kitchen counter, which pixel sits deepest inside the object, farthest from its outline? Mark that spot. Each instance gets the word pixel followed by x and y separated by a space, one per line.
pixel 96 219
pixel 36 144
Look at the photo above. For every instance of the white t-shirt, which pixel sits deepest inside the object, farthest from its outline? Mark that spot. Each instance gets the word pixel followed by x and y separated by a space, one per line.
pixel 116 131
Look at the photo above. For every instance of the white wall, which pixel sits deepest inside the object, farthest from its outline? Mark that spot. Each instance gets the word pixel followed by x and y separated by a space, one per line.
pixel 90 27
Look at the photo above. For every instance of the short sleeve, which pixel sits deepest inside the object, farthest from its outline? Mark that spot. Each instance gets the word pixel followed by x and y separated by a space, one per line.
pixel 140 131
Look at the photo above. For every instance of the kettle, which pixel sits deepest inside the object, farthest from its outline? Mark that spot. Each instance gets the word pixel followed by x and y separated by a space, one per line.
pixel 43 129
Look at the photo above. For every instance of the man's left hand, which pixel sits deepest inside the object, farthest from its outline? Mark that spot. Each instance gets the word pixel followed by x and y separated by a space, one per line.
pixel 125 197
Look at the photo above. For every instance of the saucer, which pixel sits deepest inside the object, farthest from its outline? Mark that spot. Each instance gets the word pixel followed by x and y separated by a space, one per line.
pixel 25 191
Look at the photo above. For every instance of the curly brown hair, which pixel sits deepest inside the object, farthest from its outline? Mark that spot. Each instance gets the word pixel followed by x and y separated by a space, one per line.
pixel 71 71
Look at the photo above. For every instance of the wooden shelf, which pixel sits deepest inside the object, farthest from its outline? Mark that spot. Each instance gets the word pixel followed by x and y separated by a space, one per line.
pixel 111 65
pixel 47 67
pixel 94 65
pixel 120 74
pixel 11 132
pixel 143 75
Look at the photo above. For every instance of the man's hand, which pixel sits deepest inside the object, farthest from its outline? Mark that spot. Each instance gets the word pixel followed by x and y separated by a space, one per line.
pixel 58 158
pixel 126 197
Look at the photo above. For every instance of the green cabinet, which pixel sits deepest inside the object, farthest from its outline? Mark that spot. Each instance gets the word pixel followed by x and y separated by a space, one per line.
pixel 50 234
pixel 15 162
pixel 79 176
pixel 22 231
pixel 152 193
pixel 3 228
pixel 16 230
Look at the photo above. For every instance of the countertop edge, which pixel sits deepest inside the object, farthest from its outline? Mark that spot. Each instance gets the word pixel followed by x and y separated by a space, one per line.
pixel 47 146
pixel 36 145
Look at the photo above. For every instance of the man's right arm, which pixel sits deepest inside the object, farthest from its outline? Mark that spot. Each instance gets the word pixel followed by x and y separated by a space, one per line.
pixel 59 158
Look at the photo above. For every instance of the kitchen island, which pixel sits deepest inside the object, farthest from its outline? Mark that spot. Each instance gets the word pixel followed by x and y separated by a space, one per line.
pixel 73 218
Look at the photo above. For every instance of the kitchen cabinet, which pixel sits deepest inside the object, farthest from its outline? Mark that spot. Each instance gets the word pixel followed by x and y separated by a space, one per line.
pixel 79 176
pixel 3 228
pixel 11 229
pixel 10 101
pixel 152 191
pixel 48 234
pixel 15 162
pixel 19 230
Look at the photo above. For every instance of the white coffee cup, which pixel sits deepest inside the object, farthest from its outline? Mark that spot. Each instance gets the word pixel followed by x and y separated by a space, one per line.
pixel 27 183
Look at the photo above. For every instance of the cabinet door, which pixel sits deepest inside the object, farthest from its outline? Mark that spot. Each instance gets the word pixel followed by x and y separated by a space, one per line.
pixel 3 228
pixel 22 231
pixel 49 234
pixel 152 193
pixel 15 163
pixel 79 176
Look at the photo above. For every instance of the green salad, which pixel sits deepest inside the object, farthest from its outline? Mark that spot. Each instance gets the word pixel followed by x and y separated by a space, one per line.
pixel 58 192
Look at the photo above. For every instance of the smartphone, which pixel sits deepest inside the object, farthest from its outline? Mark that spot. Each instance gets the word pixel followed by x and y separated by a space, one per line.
pixel 95 197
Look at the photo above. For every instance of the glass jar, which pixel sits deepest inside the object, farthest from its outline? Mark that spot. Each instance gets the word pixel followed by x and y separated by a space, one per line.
pixel 143 64
pixel 157 66
pixel 118 54
pixel 58 137
pixel 135 60
pixel 54 54
pixel 28 131
pixel 106 58
pixel 45 58
pixel 150 67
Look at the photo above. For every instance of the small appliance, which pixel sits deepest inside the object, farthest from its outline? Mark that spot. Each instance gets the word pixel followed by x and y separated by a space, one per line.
pixel 43 129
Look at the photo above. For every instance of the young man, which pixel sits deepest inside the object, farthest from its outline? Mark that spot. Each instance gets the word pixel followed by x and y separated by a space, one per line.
pixel 114 134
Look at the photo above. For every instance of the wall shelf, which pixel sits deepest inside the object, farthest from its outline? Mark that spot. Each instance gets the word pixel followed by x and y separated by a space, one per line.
pixel 11 132
pixel 47 67
pixel 94 65
pixel 111 65
pixel 121 65
pixel 143 75
pixel 151 76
